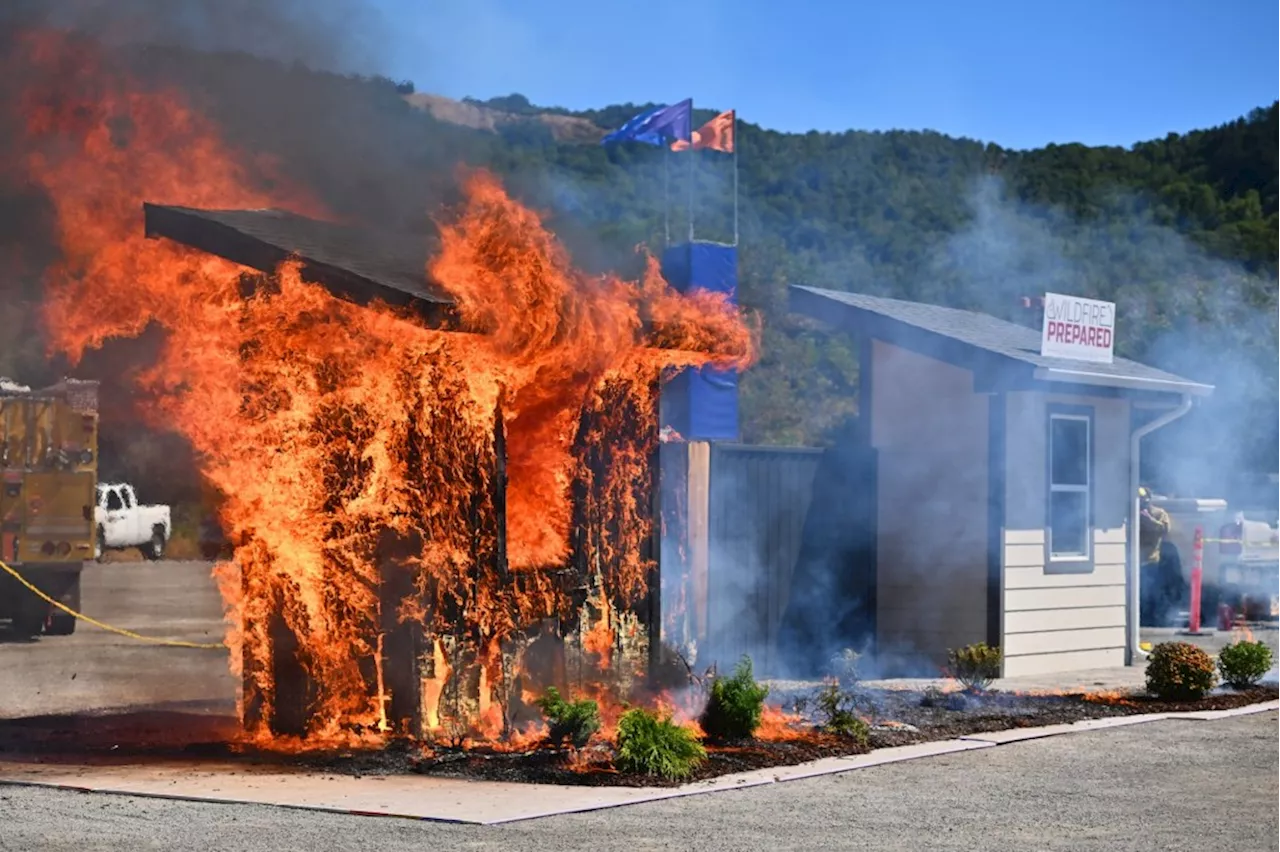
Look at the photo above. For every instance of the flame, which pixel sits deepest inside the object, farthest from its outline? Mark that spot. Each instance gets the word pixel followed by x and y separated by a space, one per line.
pixel 352 448
pixel 433 687
pixel 777 725
pixel 599 638
pixel 551 335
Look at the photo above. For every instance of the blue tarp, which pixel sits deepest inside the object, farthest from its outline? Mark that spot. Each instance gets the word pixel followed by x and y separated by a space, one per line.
pixel 702 405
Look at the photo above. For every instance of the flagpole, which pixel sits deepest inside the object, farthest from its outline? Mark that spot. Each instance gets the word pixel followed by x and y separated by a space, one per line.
pixel 690 155
pixel 666 195
pixel 735 178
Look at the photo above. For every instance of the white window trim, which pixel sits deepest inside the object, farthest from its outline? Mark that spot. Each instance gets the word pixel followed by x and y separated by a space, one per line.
pixel 1054 488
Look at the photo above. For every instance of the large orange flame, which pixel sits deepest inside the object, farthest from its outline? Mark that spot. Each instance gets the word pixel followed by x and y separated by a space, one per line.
pixel 346 439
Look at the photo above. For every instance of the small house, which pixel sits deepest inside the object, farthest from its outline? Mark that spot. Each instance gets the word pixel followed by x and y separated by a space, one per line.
pixel 1004 474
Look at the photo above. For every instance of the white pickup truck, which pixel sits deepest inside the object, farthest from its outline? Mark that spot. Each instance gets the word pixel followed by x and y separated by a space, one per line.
pixel 124 523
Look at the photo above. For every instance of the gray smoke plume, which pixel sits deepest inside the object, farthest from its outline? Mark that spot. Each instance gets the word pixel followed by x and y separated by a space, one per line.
pixel 267 74
pixel 1179 309
pixel 332 35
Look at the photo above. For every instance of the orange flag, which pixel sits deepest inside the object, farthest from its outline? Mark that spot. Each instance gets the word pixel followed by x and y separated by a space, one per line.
pixel 716 135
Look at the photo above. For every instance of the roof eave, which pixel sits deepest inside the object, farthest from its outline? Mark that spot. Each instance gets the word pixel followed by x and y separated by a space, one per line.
pixel 194 228
pixel 1089 377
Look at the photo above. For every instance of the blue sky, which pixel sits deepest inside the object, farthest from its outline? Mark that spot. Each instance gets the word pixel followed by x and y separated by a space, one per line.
pixel 1018 73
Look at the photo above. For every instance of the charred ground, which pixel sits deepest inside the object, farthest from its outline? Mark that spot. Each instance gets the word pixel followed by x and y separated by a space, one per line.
pixel 898 717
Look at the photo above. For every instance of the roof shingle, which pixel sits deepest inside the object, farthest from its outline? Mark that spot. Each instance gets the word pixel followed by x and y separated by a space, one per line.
pixel 1005 339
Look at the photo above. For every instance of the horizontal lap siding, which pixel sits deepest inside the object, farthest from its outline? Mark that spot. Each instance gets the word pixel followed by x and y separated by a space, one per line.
pixel 1062 621
pixel 1072 615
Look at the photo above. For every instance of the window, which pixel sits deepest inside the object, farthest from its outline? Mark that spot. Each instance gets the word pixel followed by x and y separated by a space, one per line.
pixel 113 501
pixel 1070 479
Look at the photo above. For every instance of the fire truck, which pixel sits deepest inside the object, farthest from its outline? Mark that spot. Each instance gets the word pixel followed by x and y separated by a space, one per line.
pixel 1240 556
pixel 48 462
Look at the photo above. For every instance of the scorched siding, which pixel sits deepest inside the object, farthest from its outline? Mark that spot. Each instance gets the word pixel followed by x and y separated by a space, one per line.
pixel 932 519
pixel 1063 617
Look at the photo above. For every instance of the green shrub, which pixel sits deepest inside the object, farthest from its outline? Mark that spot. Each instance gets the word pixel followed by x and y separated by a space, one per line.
pixel 1179 671
pixel 734 707
pixel 975 666
pixel 1243 664
pixel 573 721
pixel 835 707
pixel 844 666
pixel 650 744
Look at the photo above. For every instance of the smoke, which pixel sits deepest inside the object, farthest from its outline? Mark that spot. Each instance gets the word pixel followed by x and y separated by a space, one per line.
pixel 268 75
pixel 1203 318
pixel 334 35
pixel 921 578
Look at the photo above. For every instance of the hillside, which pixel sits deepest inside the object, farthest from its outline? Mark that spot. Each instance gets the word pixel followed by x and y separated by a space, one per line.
pixel 505 114
pixel 1180 231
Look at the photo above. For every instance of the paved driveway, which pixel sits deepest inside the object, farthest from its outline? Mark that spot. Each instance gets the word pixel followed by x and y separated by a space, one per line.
pixel 1163 787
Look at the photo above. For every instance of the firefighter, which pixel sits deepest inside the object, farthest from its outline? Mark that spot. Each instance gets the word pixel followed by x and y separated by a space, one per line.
pixel 1161 563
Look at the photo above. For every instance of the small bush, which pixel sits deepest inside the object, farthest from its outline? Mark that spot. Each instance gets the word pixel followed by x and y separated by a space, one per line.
pixel 975 666
pixel 734 707
pixel 1243 664
pixel 573 721
pixel 835 707
pixel 1179 671
pixel 844 666
pixel 650 744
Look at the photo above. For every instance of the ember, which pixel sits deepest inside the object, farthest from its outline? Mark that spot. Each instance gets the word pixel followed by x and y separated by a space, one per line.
pixel 430 525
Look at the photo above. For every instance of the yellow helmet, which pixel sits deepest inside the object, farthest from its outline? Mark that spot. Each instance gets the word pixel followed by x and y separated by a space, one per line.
pixel 1143 493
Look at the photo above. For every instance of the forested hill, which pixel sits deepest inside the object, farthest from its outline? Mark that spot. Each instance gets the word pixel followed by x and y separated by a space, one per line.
pixel 1181 232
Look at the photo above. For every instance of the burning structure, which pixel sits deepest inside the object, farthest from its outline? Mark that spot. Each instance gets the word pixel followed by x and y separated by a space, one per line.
pixel 437 655
pixel 441 497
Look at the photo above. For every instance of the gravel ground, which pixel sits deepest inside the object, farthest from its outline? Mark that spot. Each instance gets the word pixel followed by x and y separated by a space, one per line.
pixel 1159 787
pixel 94 668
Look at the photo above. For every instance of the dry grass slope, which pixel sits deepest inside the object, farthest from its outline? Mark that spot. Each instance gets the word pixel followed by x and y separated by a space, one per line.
pixel 565 128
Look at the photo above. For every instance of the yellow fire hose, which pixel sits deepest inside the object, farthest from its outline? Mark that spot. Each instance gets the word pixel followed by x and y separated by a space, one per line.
pixel 172 643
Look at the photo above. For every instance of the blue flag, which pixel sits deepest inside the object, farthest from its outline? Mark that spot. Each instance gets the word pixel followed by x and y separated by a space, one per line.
pixel 657 126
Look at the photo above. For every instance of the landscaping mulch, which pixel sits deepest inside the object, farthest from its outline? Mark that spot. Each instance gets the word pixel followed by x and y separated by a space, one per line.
pixel 897 718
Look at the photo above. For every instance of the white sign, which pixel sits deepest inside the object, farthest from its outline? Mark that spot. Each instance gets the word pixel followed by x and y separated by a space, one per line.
pixel 1079 329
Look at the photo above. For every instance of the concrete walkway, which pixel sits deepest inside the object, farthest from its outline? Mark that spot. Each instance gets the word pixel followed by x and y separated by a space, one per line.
pixel 1162 787
pixel 488 802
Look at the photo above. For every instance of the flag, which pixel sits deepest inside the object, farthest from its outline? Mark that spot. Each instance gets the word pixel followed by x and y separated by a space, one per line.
pixel 716 135
pixel 656 126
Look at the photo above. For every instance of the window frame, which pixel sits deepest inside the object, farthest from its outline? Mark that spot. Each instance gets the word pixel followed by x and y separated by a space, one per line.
pixel 1070 563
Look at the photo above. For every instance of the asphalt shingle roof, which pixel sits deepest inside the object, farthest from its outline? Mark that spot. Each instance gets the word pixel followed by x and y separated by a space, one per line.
pixel 999 337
